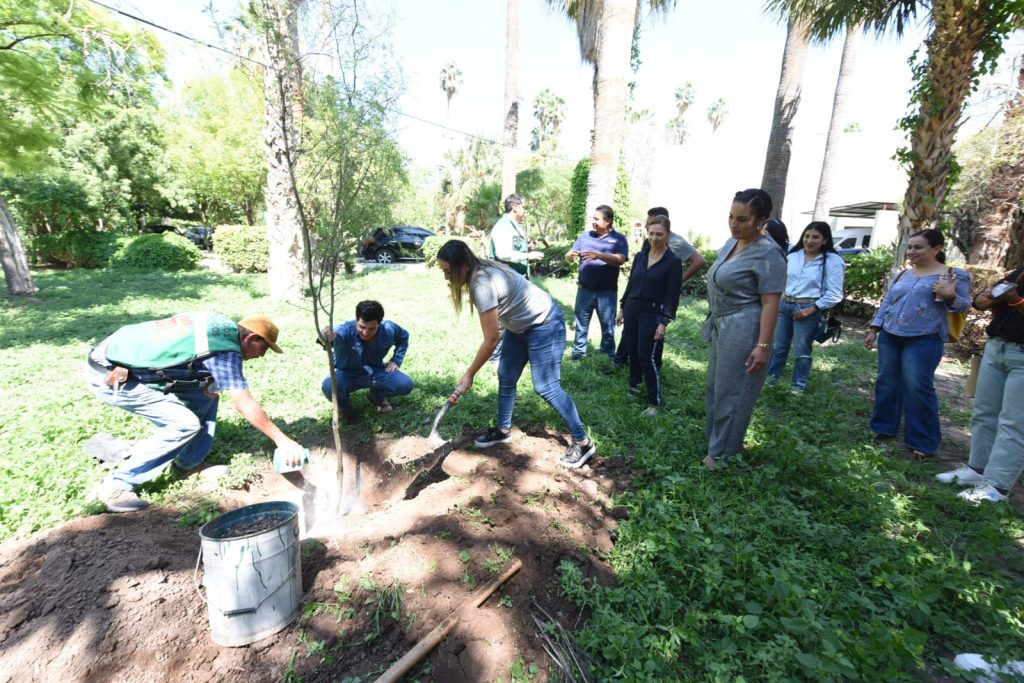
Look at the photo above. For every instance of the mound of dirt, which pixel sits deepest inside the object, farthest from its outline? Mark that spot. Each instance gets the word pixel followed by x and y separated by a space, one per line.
pixel 112 597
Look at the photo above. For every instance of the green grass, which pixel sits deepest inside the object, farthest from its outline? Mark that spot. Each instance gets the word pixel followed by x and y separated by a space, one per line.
pixel 819 557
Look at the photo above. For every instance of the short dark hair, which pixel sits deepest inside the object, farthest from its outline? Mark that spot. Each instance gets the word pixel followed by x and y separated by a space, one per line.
pixel 369 311
pixel 759 201
pixel 512 201
pixel 607 212
pixel 657 211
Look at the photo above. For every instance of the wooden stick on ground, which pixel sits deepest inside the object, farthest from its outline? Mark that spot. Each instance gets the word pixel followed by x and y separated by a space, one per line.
pixel 430 641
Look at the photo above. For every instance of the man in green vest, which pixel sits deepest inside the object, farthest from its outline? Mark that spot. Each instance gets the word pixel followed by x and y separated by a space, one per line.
pixel 172 372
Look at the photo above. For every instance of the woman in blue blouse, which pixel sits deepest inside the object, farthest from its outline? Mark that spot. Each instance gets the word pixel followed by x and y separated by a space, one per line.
pixel 648 305
pixel 814 284
pixel 910 329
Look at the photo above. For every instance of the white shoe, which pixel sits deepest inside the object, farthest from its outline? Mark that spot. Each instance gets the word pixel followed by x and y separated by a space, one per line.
pixel 650 412
pixel 961 476
pixel 982 494
pixel 988 673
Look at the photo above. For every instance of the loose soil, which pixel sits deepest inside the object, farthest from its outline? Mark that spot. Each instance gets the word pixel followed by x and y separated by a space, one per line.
pixel 112 598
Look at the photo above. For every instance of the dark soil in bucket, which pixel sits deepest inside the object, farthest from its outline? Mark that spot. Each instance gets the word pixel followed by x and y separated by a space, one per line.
pixel 112 598
pixel 249 526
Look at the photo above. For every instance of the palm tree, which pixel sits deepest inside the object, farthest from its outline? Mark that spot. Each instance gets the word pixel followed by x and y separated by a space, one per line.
pixel 675 130
pixel 549 110
pixel 451 81
pixel 716 114
pixel 511 129
pixel 787 100
pixel 836 125
pixel 965 40
pixel 685 95
pixel 615 22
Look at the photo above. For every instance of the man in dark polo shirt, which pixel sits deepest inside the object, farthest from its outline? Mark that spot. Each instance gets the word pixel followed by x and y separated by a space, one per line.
pixel 601 252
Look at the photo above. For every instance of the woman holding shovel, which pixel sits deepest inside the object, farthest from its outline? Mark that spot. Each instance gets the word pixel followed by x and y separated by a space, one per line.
pixel 534 332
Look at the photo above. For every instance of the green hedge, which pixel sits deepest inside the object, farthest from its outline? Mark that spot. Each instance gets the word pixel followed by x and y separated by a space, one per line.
pixel 554 264
pixel 866 272
pixel 75 248
pixel 164 251
pixel 243 248
pixel 432 245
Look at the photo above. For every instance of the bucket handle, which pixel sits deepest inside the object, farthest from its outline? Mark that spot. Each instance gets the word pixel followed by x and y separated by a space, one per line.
pixel 244 610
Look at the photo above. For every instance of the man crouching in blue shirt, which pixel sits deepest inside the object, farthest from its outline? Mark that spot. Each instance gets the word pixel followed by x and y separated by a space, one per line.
pixel 359 347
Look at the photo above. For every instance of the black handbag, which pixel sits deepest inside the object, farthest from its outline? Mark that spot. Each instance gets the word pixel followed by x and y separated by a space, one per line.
pixel 829 327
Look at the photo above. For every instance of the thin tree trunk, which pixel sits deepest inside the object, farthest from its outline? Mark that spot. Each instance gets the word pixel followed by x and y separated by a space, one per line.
pixel 12 256
pixel 787 100
pixel 283 117
pixel 952 47
pixel 508 162
pixel 1000 203
pixel 615 41
pixel 838 121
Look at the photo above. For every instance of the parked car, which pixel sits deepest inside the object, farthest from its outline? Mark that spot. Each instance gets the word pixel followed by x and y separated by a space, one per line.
pixel 852 251
pixel 388 245
pixel 199 235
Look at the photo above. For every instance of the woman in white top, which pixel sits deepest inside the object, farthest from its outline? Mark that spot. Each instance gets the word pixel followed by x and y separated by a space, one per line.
pixel 534 332
pixel 814 284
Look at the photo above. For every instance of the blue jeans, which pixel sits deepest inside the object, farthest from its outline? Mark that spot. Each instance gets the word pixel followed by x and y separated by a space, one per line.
pixel 905 387
pixel 542 346
pixel 796 333
pixel 997 427
pixel 587 301
pixel 381 384
pixel 185 420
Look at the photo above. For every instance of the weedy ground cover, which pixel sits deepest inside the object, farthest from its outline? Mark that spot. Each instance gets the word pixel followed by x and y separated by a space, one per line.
pixel 819 556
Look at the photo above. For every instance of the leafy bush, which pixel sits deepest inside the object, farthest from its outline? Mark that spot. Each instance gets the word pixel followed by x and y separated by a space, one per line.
pixel 865 273
pixel 75 248
pixel 164 251
pixel 578 217
pixel 698 284
pixel 554 264
pixel 243 248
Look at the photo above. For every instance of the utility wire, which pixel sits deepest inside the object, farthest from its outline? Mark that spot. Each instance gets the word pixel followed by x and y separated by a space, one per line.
pixel 388 107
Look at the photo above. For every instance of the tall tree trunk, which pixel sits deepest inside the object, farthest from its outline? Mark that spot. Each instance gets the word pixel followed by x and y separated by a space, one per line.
pixel 958 30
pixel 12 256
pixel 615 41
pixel 282 85
pixel 508 162
pixel 787 100
pixel 836 124
pixel 1000 204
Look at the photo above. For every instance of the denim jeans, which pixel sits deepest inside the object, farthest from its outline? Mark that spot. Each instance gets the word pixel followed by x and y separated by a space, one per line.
pixel 796 333
pixel 380 383
pixel 185 420
pixel 542 346
pixel 905 387
pixel 587 301
pixel 997 427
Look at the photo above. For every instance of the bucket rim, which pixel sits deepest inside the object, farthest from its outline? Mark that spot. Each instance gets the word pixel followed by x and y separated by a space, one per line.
pixel 227 519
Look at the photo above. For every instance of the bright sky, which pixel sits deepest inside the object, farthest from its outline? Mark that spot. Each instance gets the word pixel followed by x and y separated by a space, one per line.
pixel 726 52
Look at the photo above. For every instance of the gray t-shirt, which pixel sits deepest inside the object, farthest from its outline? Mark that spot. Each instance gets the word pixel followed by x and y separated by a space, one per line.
pixel 739 282
pixel 520 304
pixel 680 247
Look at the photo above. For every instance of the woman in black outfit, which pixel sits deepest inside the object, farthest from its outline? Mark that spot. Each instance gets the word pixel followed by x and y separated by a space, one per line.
pixel 648 305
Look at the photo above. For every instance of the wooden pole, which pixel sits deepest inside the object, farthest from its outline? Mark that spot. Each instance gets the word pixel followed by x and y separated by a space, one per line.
pixel 428 642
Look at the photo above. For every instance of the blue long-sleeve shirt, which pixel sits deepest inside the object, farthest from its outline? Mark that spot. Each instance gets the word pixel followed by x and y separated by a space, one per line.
pixel 909 308
pixel 352 354
pixel 804 280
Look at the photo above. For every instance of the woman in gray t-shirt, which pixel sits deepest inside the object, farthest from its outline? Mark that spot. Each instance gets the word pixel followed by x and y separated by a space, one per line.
pixel 744 287
pixel 534 332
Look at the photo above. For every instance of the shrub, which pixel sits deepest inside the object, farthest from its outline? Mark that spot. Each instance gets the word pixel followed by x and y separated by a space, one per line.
pixel 432 245
pixel 243 248
pixel 75 248
pixel 164 251
pixel 866 273
pixel 698 284
pixel 554 264
pixel 578 218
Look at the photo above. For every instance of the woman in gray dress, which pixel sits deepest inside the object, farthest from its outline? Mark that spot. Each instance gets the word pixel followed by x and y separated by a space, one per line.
pixel 744 287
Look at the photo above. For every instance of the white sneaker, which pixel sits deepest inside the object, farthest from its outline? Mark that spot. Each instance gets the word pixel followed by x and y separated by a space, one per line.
pixel 988 673
pixel 650 412
pixel 982 494
pixel 961 476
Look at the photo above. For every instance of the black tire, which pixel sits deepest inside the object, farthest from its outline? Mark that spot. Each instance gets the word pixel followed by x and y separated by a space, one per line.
pixel 385 256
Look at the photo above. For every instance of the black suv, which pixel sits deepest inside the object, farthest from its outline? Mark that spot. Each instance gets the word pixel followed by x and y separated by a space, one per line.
pixel 387 245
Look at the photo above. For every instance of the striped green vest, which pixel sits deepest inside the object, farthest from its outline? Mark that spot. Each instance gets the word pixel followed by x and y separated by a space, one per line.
pixel 160 344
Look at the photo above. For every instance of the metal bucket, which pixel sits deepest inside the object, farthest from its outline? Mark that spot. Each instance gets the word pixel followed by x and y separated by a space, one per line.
pixel 252 571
